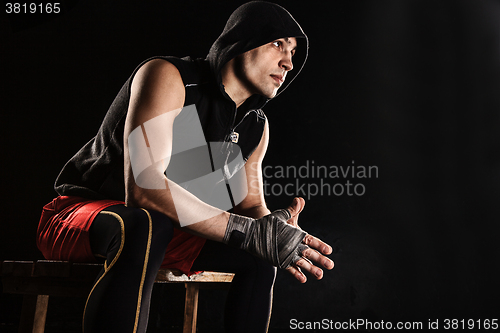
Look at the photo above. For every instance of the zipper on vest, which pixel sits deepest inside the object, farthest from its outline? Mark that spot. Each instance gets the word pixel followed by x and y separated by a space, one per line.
pixel 233 135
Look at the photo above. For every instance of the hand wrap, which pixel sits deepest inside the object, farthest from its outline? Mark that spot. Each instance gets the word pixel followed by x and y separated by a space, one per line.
pixel 269 238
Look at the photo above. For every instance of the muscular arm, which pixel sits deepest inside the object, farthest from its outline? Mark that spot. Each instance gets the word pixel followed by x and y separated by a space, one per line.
pixel 158 93
pixel 157 97
pixel 255 206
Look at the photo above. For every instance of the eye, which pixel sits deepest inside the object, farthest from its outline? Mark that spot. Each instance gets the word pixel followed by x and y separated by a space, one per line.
pixel 277 43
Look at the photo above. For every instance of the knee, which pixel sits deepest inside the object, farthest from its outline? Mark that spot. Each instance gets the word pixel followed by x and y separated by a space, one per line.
pixel 268 273
pixel 145 229
pixel 139 222
pixel 263 272
pixel 163 228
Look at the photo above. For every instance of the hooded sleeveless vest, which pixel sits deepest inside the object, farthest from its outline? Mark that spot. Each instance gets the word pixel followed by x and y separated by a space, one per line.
pixel 96 171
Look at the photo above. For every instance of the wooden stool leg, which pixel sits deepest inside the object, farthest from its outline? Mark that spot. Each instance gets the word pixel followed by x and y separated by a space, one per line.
pixel 33 313
pixel 191 307
pixel 42 304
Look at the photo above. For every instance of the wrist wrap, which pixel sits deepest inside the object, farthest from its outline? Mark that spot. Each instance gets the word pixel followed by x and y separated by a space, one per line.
pixel 269 238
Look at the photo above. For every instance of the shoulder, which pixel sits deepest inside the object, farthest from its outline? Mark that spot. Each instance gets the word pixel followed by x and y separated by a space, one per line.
pixel 156 88
pixel 157 77
pixel 191 71
pixel 159 71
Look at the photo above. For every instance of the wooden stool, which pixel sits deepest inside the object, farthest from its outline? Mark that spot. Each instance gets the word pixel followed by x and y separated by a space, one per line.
pixel 39 280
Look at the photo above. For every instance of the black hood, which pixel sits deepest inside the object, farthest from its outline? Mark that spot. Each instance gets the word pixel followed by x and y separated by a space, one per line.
pixel 252 25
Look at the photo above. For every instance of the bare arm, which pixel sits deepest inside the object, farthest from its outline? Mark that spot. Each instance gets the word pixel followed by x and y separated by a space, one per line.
pixel 157 92
pixel 157 97
pixel 254 204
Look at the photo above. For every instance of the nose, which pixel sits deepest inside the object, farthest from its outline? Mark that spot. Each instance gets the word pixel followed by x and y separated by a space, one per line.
pixel 286 62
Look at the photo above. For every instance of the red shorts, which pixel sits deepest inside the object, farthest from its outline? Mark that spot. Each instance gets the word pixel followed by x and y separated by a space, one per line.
pixel 63 234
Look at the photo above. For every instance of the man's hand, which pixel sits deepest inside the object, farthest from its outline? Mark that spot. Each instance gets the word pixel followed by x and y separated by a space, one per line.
pixel 311 254
pixel 274 240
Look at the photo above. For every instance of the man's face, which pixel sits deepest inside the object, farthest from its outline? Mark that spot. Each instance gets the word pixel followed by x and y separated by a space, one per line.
pixel 263 70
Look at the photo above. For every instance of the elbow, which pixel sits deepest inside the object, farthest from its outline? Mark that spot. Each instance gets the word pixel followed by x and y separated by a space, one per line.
pixel 137 191
pixel 134 196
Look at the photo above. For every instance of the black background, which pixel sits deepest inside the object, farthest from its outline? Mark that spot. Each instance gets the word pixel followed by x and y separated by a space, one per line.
pixel 412 87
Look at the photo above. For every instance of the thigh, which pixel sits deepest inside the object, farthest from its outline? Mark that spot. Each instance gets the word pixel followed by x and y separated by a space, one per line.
pixel 129 228
pixel 63 230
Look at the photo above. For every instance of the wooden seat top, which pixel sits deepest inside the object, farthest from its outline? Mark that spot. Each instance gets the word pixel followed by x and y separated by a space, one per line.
pixel 88 271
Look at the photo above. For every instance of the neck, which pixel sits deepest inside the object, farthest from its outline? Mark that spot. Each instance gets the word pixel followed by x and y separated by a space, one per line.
pixel 232 85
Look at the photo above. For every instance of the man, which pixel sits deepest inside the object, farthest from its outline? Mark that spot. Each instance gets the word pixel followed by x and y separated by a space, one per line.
pixel 171 152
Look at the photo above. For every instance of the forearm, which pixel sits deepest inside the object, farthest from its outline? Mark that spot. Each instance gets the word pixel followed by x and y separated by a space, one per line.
pixel 269 238
pixel 255 212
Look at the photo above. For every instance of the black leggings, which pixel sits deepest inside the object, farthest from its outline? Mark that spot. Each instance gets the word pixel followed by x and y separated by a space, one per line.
pixel 248 303
pixel 133 242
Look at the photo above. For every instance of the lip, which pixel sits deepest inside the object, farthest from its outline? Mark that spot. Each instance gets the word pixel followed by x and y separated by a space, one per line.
pixel 278 78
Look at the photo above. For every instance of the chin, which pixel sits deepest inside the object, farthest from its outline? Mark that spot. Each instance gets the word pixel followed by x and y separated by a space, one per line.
pixel 271 94
pixel 268 93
